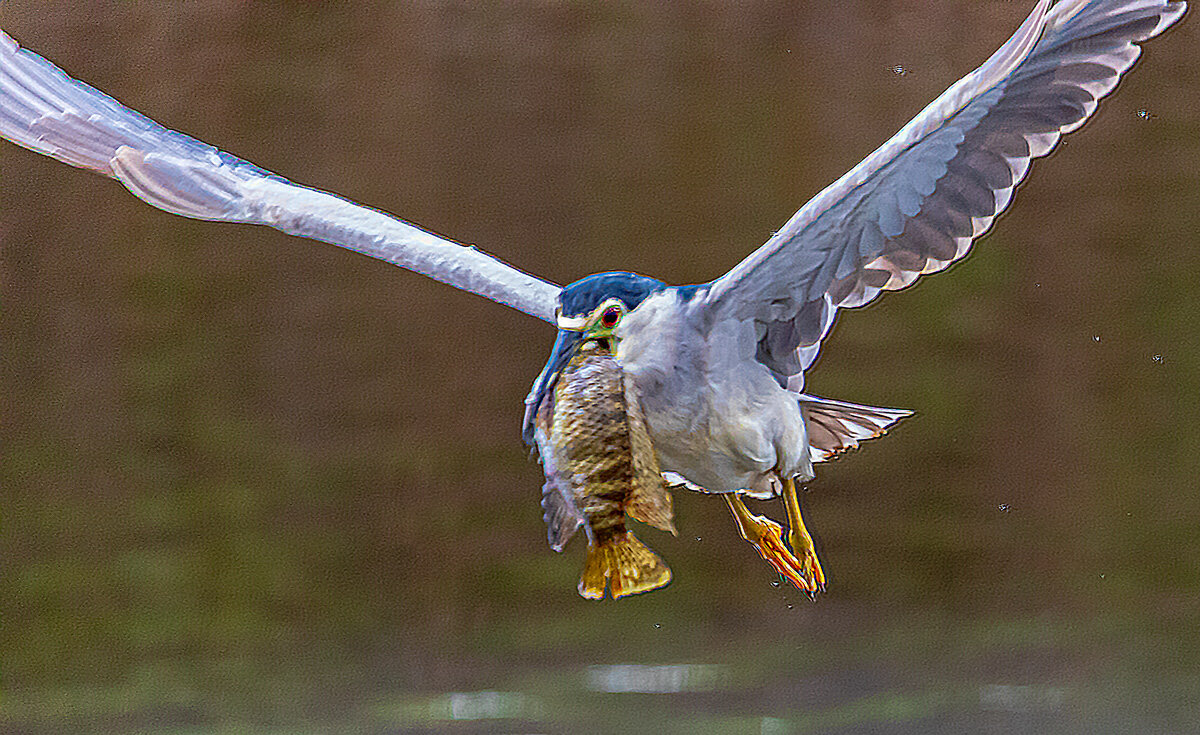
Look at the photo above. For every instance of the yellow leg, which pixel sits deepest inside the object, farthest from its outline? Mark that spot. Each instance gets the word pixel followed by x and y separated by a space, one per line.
pixel 767 537
pixel 801 541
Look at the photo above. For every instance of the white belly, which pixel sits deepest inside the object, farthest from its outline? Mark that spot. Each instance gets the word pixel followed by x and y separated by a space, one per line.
pixel 715 414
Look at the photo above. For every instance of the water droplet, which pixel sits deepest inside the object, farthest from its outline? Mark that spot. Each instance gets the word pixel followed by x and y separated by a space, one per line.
pixel 1004 507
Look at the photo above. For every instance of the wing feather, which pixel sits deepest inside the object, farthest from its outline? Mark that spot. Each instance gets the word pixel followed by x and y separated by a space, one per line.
pixel 916 204
pixel 45 110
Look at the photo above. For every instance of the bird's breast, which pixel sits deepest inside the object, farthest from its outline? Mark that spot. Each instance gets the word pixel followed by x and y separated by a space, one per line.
pixel 715 414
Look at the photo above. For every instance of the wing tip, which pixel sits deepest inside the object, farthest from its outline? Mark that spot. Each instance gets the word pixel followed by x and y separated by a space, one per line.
pixel 1170 11
pixel 1171 15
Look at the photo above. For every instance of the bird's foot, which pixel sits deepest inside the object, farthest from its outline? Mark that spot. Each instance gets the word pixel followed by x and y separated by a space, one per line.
pixel 767 538
pixel 801 542
pixel 810 566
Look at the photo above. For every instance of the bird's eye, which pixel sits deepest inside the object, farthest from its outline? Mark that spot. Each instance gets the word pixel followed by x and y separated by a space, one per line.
pixel 610 317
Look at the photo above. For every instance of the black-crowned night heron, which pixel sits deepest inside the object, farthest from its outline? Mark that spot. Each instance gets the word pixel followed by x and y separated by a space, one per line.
pixel 719 367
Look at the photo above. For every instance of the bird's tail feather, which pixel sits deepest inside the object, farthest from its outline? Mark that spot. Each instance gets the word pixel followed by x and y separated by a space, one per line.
pixel 836 426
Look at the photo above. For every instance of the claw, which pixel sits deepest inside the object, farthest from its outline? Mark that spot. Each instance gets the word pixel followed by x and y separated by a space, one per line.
pixel 767 537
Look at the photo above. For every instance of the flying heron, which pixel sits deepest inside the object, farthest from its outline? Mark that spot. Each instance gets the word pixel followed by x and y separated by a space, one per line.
pixel 718 367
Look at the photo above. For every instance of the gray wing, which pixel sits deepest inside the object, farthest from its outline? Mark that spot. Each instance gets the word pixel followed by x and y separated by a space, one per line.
pixel 43 109
pixel 916 204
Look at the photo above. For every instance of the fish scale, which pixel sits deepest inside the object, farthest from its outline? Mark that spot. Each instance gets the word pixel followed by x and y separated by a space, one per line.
pixel 599 467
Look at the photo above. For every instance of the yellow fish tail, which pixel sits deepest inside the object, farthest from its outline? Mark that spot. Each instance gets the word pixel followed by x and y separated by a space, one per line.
pixel 631 566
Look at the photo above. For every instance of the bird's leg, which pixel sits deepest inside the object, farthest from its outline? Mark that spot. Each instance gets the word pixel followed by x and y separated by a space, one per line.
pixel 767 537
pixel 801 541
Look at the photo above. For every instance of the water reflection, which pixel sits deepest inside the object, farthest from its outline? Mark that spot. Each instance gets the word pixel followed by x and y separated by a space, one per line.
pixel 1020 698
pixel 486 706
pixel 663 679
pixel 253 483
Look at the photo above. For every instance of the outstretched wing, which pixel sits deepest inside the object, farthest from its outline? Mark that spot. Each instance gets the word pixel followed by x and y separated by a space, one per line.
pixel 916 204
pixel 43 109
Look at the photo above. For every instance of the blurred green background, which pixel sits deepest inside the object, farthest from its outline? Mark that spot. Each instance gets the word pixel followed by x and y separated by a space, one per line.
pixel 257 484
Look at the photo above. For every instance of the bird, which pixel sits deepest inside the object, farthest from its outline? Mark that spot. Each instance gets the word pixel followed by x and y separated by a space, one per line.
pixel 719 367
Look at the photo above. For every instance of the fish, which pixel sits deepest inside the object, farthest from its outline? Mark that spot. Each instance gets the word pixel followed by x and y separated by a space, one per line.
pixel 600 466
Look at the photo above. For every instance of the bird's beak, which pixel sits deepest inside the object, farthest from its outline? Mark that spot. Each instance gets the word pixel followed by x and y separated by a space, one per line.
pixel 565 346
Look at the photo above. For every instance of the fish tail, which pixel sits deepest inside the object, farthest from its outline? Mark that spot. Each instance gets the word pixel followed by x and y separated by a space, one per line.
pixel 631 566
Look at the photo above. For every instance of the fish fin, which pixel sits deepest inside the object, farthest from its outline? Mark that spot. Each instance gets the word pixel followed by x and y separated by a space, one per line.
pixel 649 499
pixel 632 567
pixel 595 573
pixel 561 513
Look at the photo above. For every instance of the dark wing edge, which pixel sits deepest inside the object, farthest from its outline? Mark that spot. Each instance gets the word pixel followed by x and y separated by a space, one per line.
pixel 917 203
pixel 45 110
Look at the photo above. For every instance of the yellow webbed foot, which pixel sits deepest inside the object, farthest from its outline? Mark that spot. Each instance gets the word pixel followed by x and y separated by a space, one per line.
pixel 767 537
pixel 801 541
pixel 810 566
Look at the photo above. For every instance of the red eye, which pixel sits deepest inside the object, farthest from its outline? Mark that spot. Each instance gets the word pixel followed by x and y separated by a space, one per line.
pixel 610 316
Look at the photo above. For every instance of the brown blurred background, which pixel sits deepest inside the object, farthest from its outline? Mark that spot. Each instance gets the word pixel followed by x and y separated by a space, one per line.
pixel 253 483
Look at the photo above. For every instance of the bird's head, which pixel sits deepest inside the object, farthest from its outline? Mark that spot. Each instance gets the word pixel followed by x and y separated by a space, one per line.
pixel 590 310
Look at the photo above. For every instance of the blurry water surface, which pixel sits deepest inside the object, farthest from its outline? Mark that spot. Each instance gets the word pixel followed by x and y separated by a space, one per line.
pixel 257 484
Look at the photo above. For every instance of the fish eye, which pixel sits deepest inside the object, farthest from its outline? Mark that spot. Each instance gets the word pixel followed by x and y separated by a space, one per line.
pixel 610 317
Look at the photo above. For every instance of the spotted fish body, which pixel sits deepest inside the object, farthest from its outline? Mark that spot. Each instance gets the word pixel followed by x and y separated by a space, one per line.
pixel 600 466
